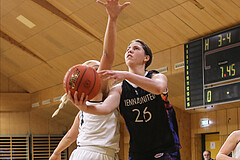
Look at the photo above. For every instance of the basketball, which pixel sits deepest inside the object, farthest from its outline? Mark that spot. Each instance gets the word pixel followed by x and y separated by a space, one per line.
pixel 83 79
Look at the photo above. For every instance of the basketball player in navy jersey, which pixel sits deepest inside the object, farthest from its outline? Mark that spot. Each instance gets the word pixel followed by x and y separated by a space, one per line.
pixel 152 126
pixel 93 144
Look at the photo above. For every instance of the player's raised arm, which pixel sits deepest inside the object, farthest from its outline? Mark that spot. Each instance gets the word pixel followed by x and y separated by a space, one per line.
pixel 113 9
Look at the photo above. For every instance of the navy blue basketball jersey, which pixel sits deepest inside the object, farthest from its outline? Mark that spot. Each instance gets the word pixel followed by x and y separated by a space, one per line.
pixel 146 120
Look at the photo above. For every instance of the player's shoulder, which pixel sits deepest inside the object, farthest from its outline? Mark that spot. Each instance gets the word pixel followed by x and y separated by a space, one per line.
pixel 117 87
pixel 236 133
pixel 159 75
pixel 234 136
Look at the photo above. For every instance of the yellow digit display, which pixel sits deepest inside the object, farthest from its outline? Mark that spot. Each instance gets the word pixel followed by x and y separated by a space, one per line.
pixel 233 70
pixel 206 44
pixel 229 37
pixel 220 41
pixel 222 71
pixel 228 71
pixel 209 96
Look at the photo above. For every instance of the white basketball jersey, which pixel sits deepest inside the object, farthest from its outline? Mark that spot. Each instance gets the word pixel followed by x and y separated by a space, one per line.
pixel 236 151
pixel 99 130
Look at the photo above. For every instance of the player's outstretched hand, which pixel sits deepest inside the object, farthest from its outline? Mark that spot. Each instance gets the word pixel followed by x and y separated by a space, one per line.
pixel 113 7
pixel 111 74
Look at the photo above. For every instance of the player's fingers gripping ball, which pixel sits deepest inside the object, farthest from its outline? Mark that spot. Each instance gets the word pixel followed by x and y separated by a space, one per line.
pixel 83 79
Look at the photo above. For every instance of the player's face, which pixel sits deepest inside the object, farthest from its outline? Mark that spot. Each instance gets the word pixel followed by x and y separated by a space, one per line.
pixel 135 54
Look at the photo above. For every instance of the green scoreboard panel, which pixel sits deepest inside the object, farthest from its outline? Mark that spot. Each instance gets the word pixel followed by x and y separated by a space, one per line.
pixel 212 69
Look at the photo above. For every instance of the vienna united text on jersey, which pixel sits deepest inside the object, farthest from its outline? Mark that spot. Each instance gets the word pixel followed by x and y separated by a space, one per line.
pixel 139 100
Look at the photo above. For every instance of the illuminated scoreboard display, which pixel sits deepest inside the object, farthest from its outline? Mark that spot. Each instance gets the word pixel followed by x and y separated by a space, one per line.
pixel 212 69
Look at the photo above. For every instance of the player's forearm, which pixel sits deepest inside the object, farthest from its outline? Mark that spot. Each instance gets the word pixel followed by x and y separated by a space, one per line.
pixel 150 85
pixel 221 156
pixel 110 41
pixel 66 141
pixel 108 106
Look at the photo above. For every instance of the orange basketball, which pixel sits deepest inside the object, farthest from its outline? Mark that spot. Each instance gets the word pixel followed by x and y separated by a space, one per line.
pixel 83 79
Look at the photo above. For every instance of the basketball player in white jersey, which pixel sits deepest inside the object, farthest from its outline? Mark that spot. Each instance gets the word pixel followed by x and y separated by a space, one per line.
pixel 97 136
pixel 232 144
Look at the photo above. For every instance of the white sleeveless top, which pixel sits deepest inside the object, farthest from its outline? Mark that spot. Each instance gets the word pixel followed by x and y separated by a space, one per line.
pixel 236 151
pixel 99 130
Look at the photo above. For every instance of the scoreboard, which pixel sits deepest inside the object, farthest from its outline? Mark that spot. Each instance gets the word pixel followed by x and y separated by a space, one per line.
pixel 212 69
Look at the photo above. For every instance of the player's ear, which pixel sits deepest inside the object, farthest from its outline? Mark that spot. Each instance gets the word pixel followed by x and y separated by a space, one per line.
pixel 146 58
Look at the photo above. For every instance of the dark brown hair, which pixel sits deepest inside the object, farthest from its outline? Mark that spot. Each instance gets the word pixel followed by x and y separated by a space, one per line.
pixel 147 51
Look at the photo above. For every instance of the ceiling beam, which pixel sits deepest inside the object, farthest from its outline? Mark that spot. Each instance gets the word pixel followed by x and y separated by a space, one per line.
pixel 196 3
pixel 21 46
pixel 48 6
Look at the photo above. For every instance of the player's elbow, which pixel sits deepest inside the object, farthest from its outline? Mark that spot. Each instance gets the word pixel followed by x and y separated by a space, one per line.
pixel 109 56
pixel 160 89
pixel 219 156
pixel 71 136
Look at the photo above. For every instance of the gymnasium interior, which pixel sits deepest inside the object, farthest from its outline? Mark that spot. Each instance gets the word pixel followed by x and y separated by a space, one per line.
pixel 41 39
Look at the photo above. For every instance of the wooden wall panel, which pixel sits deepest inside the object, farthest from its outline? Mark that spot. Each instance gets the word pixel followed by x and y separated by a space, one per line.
pixel 19 123
pixel 6 85
pixel 177 56
pixel 22 123
pixel 121 143
pixel 4 123
pixel 238 117
pixel 212 116
pixel 232 119
pixel 196 147
pixel 184 121
pixel 126 142
pixel 222 122
pixel 162 59
pixel 55 128
pixel 15 102
pixel 225 121
pixel 38 124
pixel 195 124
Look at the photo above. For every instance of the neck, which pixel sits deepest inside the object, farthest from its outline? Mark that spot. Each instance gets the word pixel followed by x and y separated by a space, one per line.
pixel 140 70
